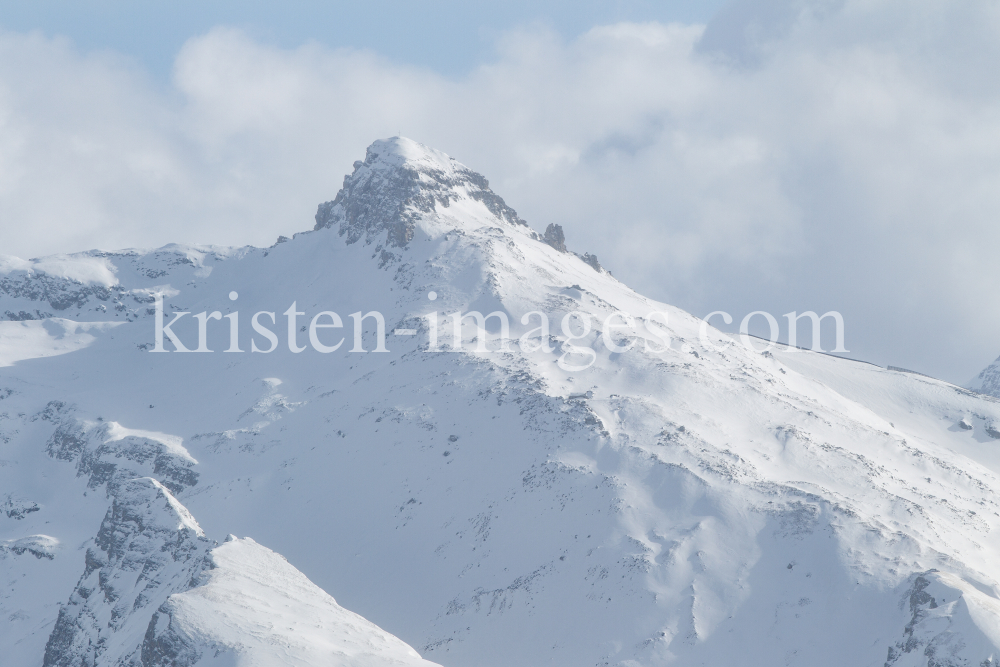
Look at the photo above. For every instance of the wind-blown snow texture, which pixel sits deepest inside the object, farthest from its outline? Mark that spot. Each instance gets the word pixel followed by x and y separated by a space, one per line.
pixel 700 504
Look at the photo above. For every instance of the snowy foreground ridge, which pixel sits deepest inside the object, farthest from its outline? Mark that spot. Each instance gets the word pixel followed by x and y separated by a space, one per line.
pixel 692 504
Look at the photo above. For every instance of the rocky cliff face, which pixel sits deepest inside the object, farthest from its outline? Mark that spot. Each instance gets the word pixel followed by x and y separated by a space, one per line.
pixel 148 547
pixel 988 381
pixel 941 607
pixel 399 182
pixel 108 454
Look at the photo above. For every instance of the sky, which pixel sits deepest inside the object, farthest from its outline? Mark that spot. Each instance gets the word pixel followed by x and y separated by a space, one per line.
pixel 776 155
pixel 449 36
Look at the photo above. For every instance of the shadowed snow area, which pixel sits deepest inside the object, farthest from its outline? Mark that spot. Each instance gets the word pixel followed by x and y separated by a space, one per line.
pixel 250 607
pixel 682 500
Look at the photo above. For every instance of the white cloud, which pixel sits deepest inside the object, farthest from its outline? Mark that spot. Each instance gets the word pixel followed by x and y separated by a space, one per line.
pixel 802 155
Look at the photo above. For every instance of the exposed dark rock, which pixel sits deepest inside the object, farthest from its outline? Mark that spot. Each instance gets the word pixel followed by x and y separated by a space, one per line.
pixel 385 194
pixel 17 508
pixel 32 294
pixel 59 293
pixel 148 547
pixel 111 461
pixel 554 237
pixel 24 316
pixel 53 411
pixel 67 442
pixel 164 645
pixel 39 546
pixel 592 261
pixel 930 632
pixel 988 381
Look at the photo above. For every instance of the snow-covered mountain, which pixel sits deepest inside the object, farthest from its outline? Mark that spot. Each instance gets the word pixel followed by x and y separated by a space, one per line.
pixel 640 494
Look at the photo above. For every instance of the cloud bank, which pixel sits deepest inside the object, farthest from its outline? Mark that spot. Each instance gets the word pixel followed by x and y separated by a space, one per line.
pixel 790 155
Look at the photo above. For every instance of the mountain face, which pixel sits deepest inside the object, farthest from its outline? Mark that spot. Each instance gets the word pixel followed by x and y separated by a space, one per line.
pixel 628 487
pixel 147 548
pixel 988 381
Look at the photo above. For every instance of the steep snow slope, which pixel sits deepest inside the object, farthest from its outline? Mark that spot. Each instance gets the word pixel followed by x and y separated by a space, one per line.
pixel 250 607
pixel 696 503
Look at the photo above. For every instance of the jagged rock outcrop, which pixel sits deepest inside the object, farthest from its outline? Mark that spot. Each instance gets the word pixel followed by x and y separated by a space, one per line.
pixel 398 181
pixel 18 508
pixel 554 237
pixel 988 381
pixel 947 616
pixel 109 454
pixel 148 547
pixel 592 261
pixel 39 546
pixel 401 181
pixel 55 285
pixel 58 293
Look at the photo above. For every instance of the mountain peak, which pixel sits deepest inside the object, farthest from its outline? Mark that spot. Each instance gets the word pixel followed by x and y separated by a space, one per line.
pixel 396 152
pixel 401 183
